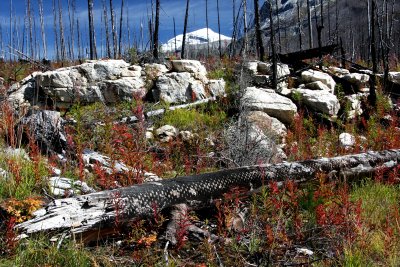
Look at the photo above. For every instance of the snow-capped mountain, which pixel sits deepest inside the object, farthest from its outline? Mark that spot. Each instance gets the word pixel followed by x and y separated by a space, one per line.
pixel 197 38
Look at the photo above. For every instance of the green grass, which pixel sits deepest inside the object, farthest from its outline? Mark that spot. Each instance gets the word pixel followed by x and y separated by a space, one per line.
pixel 10 187
pixel 193 120
pixel 377 199
pixel 41 252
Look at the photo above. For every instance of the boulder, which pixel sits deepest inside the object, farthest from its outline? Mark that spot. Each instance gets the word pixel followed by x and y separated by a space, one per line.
pixel 47 129
pixel 268 124
pixel 66 187
pixel 178 88
pixel 394 77
pixel 109 81
pixel 313 76
pixel 354 104
pixel 100 70
pixel 340 72
pixel 346 140
pixel 152 71
pixel 125 88
pixel 23 93
pixel 251 67
pixel 268 101
pixel 320 101
pixel 216 87
pixel 192 66
pixel 265 68
pixel 167 133
pixel 1 82
pixel 318 85
pixel 358 79
pixel 249 145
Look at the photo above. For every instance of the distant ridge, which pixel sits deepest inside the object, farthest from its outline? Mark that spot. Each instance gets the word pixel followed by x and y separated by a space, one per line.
pixel 198 37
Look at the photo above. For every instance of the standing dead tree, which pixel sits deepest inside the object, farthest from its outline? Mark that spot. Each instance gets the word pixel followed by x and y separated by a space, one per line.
pixel 42 30
pixel 105 18
pixel 113 29
pixel 120 29
pixel 219 32
pixel 156 29
pixel 92 40
pixel 260 46
pixel 185 29
pixel 100 210
pixel 273 48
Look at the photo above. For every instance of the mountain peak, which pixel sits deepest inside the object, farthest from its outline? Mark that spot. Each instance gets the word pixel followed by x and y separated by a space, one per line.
pixel 197 37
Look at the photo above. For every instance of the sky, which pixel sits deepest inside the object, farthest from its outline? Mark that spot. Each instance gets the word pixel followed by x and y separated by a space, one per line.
pixel 135 10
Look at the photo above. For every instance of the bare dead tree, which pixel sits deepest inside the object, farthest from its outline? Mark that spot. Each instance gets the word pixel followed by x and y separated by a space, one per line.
pixel 156 28
pixel 55 31
pixel 299 25
pixel 113 29
pixel 372 93
pixel 42 30
pixel 30 23
pixel 208 38
pixel 260 46
pixel 245 38
pixel 310 35
pixel 71 16
pixel 184 29
pixel 92 41
pixel 278 25
pixel 107 30
pixel 61 24
pixel 219 32
pixel 120 29
pixel 11 44
pixel 273 48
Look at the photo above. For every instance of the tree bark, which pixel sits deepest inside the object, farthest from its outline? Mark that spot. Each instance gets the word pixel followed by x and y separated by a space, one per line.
pixel 102 209
pixel 273 48
pixel 219 32
pixel 120 30
pixel 310 35
pixel 260 46
pixel 93 54
pixel 113 30
pixel 184 29
pixel 156 27
pixel 43 32
pixel 105 16
pixel 372 93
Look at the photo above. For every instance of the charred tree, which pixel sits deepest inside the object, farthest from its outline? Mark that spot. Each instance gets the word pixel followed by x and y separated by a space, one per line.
pixel 102 209
pixel 42 30
pixel 156 29
pixel 310 35
pixel 260 46
pixel 208 38
pixel 92 42
pixel 184 29
pixel 107 29
pixel 219 32
pixel 113 29
pixel 120 29
pixel 372 93
pixel 273 48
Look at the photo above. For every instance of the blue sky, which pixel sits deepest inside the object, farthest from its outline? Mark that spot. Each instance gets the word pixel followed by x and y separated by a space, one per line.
pixel 137 12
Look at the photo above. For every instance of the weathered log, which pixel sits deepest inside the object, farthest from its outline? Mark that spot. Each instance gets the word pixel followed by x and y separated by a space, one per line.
pixel 103 209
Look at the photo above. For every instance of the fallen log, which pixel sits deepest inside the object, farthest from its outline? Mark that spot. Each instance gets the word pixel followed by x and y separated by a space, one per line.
pixel 102 209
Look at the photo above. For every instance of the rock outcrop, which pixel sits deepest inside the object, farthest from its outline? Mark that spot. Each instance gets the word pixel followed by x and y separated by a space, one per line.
pixel 309 76
pixel 46 127
pixel 268 101
pixel 320 101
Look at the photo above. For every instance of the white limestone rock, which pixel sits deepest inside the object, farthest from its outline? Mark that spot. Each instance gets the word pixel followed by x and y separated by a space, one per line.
pixel 320 101
pixel 313 76
pixel 347 140
pixel 270 102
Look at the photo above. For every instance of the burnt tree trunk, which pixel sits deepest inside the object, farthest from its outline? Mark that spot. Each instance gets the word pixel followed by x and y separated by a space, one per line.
pixel 260 47
pixel 184 29
pixel 156 27
pixel 102 209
